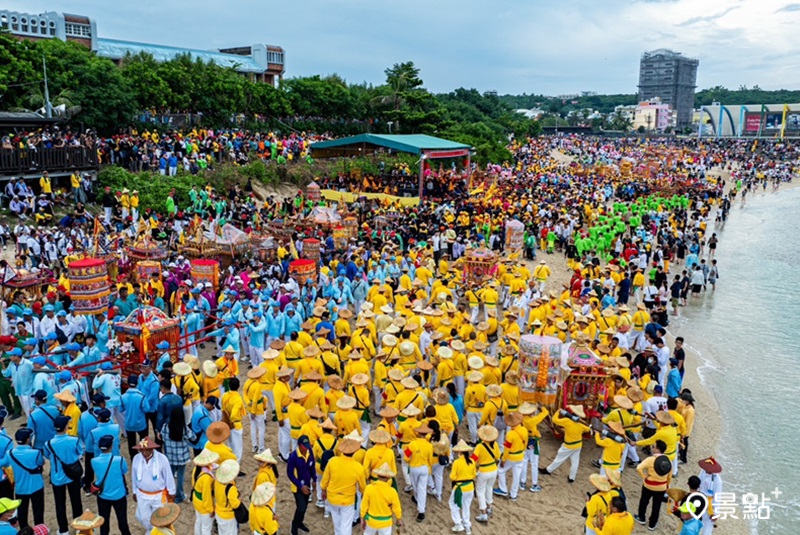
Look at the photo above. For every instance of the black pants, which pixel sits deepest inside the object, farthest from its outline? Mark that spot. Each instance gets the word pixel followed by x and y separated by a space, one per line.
pixel 88 471
pixel 151 419
pixel 683 450
pixel 6 489
pixel 120 509
pixel 657 496
pixel 132 441
pixel 37 501
pixel 60 496
pixel 301 504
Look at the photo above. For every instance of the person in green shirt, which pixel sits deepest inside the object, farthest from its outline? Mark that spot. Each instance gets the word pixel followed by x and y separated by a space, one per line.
pixel 171 208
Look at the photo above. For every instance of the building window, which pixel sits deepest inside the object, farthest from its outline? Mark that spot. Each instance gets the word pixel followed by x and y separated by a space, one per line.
pixel 78 30
pixel 275 57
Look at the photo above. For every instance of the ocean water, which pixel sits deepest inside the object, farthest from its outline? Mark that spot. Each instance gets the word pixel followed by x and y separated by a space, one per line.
pixel 746 337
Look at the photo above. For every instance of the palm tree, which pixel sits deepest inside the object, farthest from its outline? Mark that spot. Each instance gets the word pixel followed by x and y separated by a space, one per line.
pixel 65 98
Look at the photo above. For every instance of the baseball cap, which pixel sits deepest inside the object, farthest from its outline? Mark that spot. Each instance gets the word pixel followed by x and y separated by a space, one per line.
pixel 100 398
pixel 658 388
pixel 105 442
pixel 133 380
pixel 7 504
pixel 61 422
pixel 103 414
pixel 65 375
pixel 41 361
pixel 213 401
pixel 41 395
pixel 23 434
pixel 304 441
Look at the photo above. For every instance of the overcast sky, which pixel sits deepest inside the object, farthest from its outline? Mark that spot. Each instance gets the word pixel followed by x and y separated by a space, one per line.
pixel 511 46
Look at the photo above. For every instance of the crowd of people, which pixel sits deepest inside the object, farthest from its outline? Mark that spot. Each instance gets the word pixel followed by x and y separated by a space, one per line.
pixel 391 380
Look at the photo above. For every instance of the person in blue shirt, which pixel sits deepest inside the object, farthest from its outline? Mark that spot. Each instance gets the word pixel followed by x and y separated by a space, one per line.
pixel 134 408
pixel 108 383
pixel 326 324
pixel 86 425
pixel 168 401
pixel 44 381
pixel 91 353
pixel 6 445
pixel 110 473
pixel 193 321
pixel 148 385
pixel 257 328
pixel 201 419
pixel 42 420
pixel 165 357
pixel 691 525
pixel 231 335
pixel 29 347
pixel 99 327
pixel 60 450
pixel 674 379
pixel 124 303
pixel 27 464
pixel 291 321
pixel 20 371
pixel 104 427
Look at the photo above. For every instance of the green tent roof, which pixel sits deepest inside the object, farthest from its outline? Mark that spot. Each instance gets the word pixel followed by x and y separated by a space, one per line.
pixel 413 143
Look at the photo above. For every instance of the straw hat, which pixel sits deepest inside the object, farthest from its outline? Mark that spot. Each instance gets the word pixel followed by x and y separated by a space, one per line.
pixel 328 425
pixel 345 314
pixel 362 322
pixel 676 495
pixel 379 436
pixel 512 377
pixel 270 354
pixel 617 428
pixel 488 433
pixel 600 482
pixel 166 515
pixel 526 409
pixel 622 362
pixel 360 379
pixel 482 326
pixel 206 458
pixel 298 394
pixel 462 447
pixel 479 346
pixel 218 432
pixel 614 477
pixel 607 313
pixel 665 418
pixel 458 345
pixel 445 352
pixel 315 412
pixel 383 470
pixel 635 394
pixel 411 326
pixel 265 457
pixel 424 366
pixel 603 349
pixel 411 411
pixel 277 345
pixel 423 429
pixel 86 522
pixel 623 402
pixel 396 374
pixel 192 361
pixel 284 372
pixel 436 336
pixel 210 369
pixel 335 382
pixel 318 311
pixel 65 395
pixel 256 372
pixel 710 465
pixel 227 471
pixel 389 340
pixel 323 332
pixel 399 322
pixel 262 494
pixel 406 348
pixel 306 325
pixel 441 396
pixel 349 446
pixel 311 351
pixel 475 377
pixel 410 383
pixel 577 410
pixel 346 402
pixel 491 361
pixel 229 350
pixel 393 329
pixel 512 419
pixel 389 412
pixel 313 375
pixel 475 362
pixel 494 391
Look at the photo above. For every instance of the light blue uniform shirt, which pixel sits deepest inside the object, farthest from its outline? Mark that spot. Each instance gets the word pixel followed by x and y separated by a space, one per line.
pixel 44 381
pixel 201 419
pixel 103 429
pixel 21 458
pixel 69 450
pixel 22 376
pixel 257 331
pixel 109 385
pixel 134 406
pixel 113 482
pixel 42 421
pixel 149 387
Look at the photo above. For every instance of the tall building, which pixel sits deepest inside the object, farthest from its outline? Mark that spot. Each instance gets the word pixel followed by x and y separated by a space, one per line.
pixel 259 62
pixel 671 77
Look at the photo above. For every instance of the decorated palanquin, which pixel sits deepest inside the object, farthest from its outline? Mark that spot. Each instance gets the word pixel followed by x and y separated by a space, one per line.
pixel 30 283
pixel 145 327
pixel 539 369
pixel 90 285
pixel 585 383
pixel 480 265
pixel 515 236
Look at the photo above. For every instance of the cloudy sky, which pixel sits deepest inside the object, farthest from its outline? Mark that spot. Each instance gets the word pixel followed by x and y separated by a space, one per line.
pixel 511 46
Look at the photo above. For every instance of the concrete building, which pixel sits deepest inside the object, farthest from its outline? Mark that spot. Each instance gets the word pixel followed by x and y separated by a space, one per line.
pixel 259 62
pixel 654 116
pixel 671 77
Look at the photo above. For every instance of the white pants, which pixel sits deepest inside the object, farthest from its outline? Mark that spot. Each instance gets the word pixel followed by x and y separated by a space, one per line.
pixel 188 410
pixel 255 355
pixel 271 397
pixel 460 515
pixel 235 442
pixel 365 428
pixel 459 380
pixel 107 213
pixel 145 507
pixel 258 423
pixel 244 343
pixel 25 401
pixel 342 516
pixel 473 316
pixel 285 439
pixel 378 531
pixel 515 467
pixel 473 419
pixel 203 524
pixel 531 459
pixel 563 454
pixel 436 479
pixel 227 527
pixel 419 480
pixel 629 453
pixel 483 488
pixel 377 399
pixel 708 525
pixel 404 469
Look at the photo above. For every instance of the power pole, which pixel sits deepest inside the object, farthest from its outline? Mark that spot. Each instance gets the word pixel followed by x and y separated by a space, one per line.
pixel 47 106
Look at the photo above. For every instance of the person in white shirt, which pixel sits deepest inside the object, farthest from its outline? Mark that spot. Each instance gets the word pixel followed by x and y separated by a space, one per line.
pixel 47 324
pixel 152 481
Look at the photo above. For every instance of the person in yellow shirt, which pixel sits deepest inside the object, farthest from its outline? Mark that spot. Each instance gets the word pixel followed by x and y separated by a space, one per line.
pixel 462 478
pixel 70 410
pixel 342 479
pixel 203 491
pixel 125 203
pixel 267 470
pixel 280 393
pixel 446 414
pixel 487 456
pixel 686 408
pixel 474 401
pixel 233 410
pixel 666 432
pixel 516 441
pixel 380 502
pixel 532 416
pixel 613 442
pixel 218 434
pixel 541 273
pixel 255 403
pixel 324 448
pixel 618 522
pixel 511 390
pixel 342 325
pixel 134 200
pixel 571 421
pixel 228 366
pixel 381 451
pixel 419 456
pixel 268 380
pixel 598 502
pixel 346 419
pixel 494 409
pixel 262 513
pixel 75 183
pixel 656 474
pixel 226 496
pixel 296 413
pixel 46 188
